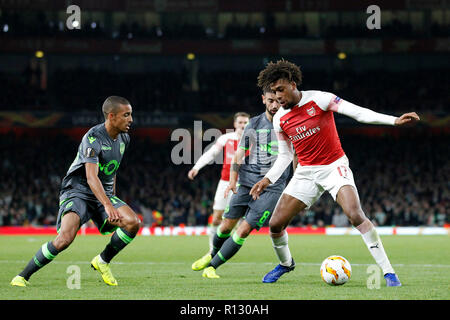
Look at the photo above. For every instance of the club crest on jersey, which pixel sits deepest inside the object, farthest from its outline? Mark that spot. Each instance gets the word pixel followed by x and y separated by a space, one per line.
pixel 122 147
pixel 311 111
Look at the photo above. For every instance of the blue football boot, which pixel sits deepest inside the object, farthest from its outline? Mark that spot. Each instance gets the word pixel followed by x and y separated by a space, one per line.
pixel 276 273
pixel 392 280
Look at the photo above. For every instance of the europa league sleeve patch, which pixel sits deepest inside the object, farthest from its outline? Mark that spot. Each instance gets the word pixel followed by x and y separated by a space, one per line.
pixel 89 152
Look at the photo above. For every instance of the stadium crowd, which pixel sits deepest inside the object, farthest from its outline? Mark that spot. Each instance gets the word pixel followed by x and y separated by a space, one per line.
pixel 83 89
pixel 401 181
pixel 45 24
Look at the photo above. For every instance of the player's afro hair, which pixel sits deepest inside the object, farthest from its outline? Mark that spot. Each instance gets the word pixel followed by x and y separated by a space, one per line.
pixel 281 69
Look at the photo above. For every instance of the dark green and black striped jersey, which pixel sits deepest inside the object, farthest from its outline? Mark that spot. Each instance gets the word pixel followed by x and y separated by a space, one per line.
pixel 95 147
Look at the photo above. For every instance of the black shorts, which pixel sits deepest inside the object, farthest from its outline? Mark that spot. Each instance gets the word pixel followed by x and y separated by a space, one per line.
pixel 87 210
pixel 255 212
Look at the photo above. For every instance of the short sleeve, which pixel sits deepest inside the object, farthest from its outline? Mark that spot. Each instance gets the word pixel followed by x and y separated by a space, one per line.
pixel 248 137
pixel 221 141
pixel 127 140
pixel 89 150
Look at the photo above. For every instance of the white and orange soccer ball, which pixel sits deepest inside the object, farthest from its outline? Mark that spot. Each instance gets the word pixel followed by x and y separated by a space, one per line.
pixel 335 270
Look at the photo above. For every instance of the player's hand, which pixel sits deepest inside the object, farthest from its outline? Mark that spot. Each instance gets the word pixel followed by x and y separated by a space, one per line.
pixel 259 187
pixel 231 187
pixel 113 213
pixel 192 173
pixel 409 117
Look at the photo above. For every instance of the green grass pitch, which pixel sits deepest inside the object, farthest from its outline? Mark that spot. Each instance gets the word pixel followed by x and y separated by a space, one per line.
pixel 159 268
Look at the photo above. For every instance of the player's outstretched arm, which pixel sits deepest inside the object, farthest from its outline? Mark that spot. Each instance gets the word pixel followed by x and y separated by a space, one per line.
pixel 361 114
pixel 331 102
pixel 192 173
pixel 406 118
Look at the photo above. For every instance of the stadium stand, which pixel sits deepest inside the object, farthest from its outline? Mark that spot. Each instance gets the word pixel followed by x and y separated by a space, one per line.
pixel 403 179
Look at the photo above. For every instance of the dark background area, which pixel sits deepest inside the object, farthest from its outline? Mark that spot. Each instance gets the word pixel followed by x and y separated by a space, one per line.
pixel 180 61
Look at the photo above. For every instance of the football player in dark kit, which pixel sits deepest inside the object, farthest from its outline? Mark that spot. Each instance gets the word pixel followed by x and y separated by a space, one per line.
pixel 88 192
pixel 257 151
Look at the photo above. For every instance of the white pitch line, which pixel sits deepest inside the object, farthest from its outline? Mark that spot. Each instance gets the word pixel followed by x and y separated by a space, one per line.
pixel 235 263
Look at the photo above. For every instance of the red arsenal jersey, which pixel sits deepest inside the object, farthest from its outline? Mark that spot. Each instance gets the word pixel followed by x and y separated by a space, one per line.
pixel 229 141
pixel 310 127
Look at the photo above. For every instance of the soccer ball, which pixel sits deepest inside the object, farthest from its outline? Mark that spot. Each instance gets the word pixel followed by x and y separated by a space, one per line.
pixel 335 270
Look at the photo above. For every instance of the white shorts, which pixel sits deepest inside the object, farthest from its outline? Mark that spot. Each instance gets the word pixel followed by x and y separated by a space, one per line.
pixel 310 182
pixel 220 203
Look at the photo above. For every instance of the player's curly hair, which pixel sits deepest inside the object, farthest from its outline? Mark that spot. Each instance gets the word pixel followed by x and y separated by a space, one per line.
pixel 281 69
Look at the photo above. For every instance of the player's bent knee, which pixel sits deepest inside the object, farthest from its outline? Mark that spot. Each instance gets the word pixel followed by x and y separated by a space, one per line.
pixel 216 222
pixel 243 233
pixel 225 228
pixel 355 215
pixel 137 224
pixel 244 229
pixel 132 224
pixel 354 209
pixel 63 240
pixel 275 225
pixel 357 219
pixel 217 218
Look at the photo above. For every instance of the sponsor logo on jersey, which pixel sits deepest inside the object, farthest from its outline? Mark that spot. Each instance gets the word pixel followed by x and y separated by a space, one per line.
pixel 337 99
pixel 300 129
pixel 268 147
pixel 303 133
pixel 110 167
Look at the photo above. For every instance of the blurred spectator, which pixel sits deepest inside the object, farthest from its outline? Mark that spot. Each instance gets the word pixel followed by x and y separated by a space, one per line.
pixel 38 24
pixel 380 215
pixel 82 89
pixel 401 181
pixel 339 218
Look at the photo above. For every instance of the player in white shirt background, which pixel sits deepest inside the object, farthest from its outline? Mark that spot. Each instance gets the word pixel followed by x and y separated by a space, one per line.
pixel 226 143
pixel 305 125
